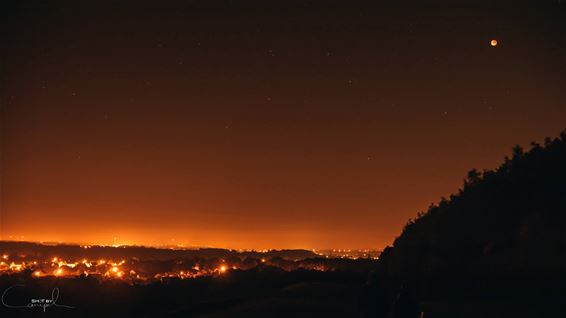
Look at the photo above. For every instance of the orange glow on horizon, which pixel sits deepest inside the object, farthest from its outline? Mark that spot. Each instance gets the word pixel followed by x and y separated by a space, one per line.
pixel 222 239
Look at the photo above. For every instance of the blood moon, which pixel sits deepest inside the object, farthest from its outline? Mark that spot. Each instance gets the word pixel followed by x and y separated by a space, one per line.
pixel 493 42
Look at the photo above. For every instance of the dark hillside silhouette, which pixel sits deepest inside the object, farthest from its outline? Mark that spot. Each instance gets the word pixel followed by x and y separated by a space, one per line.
pixel 501 238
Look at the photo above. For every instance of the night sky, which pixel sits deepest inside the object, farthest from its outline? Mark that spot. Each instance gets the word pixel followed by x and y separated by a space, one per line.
pixel 262 124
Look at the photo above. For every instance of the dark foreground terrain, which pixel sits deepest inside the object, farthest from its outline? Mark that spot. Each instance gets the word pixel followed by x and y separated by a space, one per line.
pixel 267 292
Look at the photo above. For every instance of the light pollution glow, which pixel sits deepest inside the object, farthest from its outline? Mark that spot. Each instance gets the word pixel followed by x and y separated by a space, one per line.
pixel 328 134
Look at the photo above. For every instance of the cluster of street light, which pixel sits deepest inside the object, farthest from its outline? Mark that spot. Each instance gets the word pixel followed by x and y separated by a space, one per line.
pixel 105 269
pixel 134 270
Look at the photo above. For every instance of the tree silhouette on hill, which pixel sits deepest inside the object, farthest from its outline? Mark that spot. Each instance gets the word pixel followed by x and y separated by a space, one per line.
pixel 506 222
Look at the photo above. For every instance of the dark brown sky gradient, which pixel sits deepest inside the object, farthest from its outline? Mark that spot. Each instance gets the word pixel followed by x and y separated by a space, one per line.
pixel 263 124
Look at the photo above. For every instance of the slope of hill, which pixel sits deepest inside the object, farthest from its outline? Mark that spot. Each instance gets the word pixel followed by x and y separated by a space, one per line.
pixel 501 237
